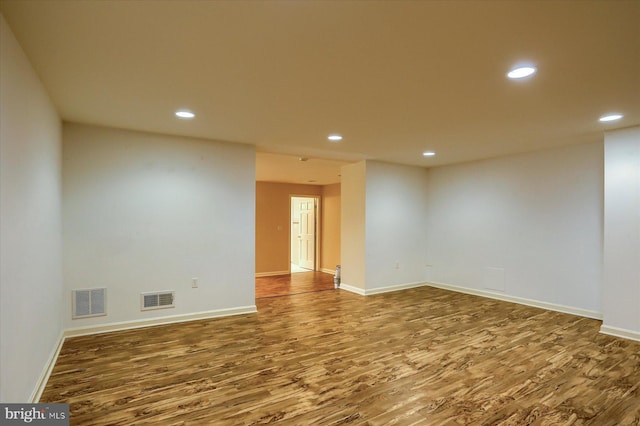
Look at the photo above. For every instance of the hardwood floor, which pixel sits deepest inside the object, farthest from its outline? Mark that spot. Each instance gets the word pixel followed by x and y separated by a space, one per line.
pixel 300 282
pixel 421 356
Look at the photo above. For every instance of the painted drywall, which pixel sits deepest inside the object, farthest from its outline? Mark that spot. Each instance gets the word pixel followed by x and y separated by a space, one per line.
pixel 330 227
pixel 273 212
pixel 525 225
pixel 352 229
pixel 621 286
pixel 30 225
pixel 145 212
pixel 396 235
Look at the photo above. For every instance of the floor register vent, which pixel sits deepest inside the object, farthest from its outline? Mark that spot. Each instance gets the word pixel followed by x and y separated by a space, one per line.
pixel 157 300
pixel 90 302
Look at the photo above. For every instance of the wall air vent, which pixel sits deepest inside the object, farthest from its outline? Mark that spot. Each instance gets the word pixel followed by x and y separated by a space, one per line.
pixel 91 302
pixel 157 300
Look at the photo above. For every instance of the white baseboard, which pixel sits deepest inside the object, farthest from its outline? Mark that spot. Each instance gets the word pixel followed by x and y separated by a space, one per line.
pixel 352 289
pixel 620 332
pixel 396 287
pixel 128 325
pixel 328 271
pixel 520 300
pixel 46 371
pixel 370 292
pixel 271 274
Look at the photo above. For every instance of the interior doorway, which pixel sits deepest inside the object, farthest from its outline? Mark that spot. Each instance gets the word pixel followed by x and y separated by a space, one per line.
pixel 303 222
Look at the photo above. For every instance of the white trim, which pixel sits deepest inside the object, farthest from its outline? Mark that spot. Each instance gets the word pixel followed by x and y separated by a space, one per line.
pixel 46 371
pixel 271 274
pixel 352 289
pixel 620 332
pixel 328 271
pixel 128 325
pixel 316 226
pixel 520 300
pixel 396 287
pixel 379 290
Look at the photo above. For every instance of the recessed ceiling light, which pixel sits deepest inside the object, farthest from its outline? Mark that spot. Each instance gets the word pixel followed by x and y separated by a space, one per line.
pixel 521 72
pixel 334 138
pixel 429 153
pixel 610 117
pixel 183 113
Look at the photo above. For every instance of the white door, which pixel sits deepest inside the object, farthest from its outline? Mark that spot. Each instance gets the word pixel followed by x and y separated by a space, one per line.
pixel 307 233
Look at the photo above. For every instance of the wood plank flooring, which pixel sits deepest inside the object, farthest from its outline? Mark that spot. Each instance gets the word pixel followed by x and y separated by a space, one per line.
pixel 300 282
pixel 423 356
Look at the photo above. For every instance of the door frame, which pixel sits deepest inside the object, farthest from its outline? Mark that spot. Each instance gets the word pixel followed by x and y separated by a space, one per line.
pixel 316 228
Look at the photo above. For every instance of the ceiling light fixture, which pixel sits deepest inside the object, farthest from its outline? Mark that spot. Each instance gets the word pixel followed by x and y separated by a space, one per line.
pixel 334 138
pixel 610 117
pixel 429 153
pixel 521 72
pixel 183 113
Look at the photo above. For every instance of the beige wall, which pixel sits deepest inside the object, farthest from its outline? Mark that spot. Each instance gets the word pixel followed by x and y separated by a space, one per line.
pixel 330 241
pixel 273 224
pixel 352 235
pixel 396 235
pixel 31 246
pixel 146 212
pixel 526 226
pixel 621 271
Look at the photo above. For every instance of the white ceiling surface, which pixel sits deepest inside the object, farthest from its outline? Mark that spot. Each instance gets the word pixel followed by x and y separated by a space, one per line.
pixel 395 78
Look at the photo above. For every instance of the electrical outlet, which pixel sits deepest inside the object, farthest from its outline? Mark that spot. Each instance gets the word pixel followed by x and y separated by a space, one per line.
pixel 194 282
pixel 397 265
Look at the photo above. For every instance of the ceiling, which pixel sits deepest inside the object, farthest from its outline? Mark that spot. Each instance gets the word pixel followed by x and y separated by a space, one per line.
pixel 395 78
pixel 286 168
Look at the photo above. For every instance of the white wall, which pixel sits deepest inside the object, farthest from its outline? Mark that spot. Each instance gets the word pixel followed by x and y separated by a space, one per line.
pixel 528 226
pixel 30 231
pixel 621 287
pixel 145 212
pixel 352 229
pixel 396 234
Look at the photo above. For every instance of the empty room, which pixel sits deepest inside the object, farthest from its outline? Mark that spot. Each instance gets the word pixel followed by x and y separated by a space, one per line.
pixel 316 212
